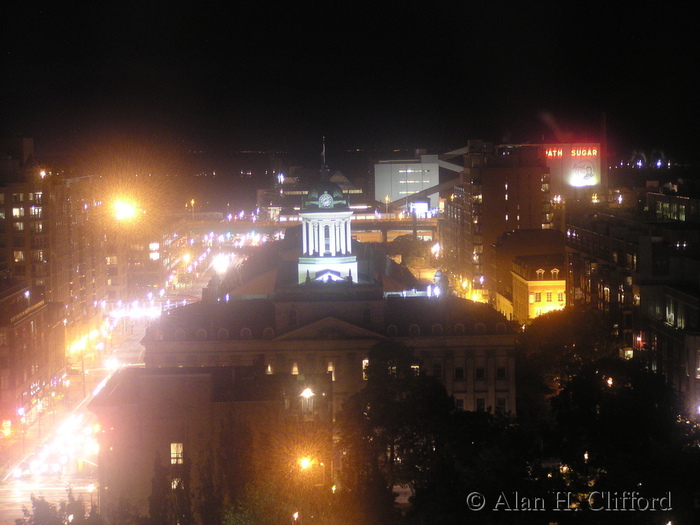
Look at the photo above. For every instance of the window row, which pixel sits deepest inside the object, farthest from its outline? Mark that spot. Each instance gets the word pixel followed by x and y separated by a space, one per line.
pixel 549 297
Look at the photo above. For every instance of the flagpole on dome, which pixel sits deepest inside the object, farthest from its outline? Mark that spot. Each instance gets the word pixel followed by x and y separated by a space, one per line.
pixel 325 171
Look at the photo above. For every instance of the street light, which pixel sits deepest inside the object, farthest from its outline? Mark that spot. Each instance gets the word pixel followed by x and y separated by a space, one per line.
pixel 386 204
pixel 124 210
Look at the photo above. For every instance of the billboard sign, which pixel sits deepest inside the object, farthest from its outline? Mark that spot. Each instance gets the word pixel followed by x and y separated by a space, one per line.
pixel 573 165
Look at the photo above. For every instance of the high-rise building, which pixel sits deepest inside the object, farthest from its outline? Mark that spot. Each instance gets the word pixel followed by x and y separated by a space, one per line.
pixel 504 188
pixel 399 179
pixel 642 270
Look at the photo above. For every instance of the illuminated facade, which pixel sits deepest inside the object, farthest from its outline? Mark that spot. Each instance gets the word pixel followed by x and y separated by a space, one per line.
pixel 403 178
pixel 326 236
pixel 539 286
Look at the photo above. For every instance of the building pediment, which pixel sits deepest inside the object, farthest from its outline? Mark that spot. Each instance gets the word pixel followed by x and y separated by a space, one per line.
pixel 330 328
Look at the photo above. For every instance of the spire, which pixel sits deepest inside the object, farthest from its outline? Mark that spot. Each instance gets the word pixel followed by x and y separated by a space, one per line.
pixel 324 171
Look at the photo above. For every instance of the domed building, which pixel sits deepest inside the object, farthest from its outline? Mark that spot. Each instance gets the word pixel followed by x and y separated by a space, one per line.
pixel 288 337
pixel 326 236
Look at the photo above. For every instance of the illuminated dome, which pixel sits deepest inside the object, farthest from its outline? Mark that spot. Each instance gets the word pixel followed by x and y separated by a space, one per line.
pixel 325 196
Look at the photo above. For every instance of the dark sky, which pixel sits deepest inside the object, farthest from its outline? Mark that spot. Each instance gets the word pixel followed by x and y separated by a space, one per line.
pixel 240 75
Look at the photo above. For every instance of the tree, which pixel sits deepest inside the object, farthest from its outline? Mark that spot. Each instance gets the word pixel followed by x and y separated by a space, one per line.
pixel 410 248
pixel 394 429
pixel 158 500
pixel 170 500
pixel 42 513
pixel 261 504
pixel 72 510
pixel 621 427
pixel 558 343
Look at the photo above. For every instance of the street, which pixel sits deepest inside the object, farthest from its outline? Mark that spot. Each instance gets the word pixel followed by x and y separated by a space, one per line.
pixel 59 451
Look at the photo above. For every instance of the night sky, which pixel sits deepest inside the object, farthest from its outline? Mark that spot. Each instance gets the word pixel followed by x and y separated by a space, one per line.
pixel 253 75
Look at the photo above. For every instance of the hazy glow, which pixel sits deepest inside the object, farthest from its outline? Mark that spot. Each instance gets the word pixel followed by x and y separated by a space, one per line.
pixel 220 263
pixel 124 210
pixel 307 393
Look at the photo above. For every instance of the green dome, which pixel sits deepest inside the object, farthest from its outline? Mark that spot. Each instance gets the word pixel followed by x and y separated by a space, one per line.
pixel 325 196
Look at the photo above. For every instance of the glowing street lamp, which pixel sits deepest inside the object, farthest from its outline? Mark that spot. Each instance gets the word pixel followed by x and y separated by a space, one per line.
pixel 220 263
pixel 307 393
pixel 124 210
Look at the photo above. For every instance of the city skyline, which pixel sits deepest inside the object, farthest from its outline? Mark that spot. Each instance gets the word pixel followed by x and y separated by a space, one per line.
pixel 368 77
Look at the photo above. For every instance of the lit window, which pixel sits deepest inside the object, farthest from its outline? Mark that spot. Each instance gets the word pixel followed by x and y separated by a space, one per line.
pixel 331 370
pixel 365 364
pixel 295 368
pixel 538 297
pixel 176 483
pixel 549 297
pixel 176 453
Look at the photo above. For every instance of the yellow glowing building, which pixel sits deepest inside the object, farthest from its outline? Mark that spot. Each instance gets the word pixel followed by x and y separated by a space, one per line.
pixel 539 285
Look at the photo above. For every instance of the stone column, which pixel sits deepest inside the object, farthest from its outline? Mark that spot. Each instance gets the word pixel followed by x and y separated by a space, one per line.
pixel 343 237
pixel 331 232
pixel 304 242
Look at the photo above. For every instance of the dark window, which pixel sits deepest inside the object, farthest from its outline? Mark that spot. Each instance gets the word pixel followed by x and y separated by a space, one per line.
pixel 501 372
pixel 480 372
pixel 459 372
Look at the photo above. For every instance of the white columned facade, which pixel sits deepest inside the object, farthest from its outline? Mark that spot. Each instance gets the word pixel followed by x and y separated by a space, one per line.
pixel 326 245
